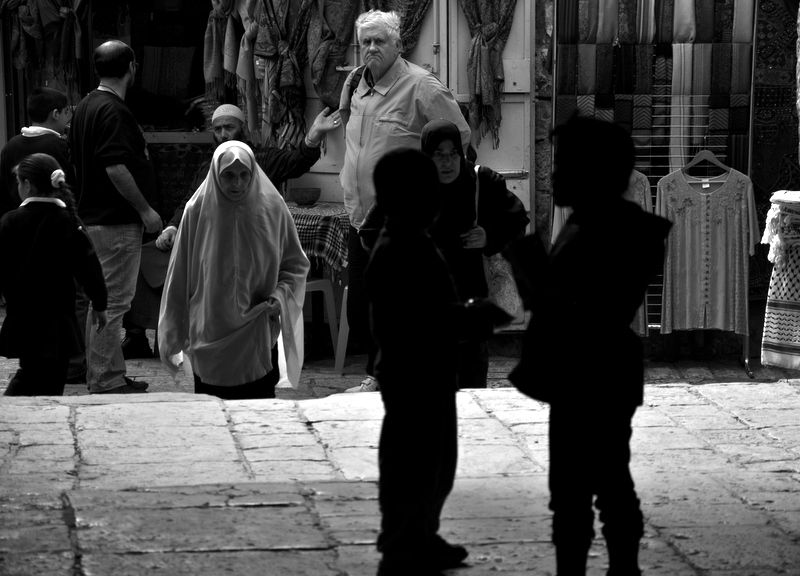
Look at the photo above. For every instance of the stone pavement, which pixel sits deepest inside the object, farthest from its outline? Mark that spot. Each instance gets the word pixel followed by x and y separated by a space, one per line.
pixel 180 484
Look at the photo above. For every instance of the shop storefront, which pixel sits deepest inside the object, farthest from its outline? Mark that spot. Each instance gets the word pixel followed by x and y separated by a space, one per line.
pixel 281 62
pixel 692 79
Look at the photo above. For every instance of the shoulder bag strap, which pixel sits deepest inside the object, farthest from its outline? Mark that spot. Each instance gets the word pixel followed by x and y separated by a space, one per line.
pixel 477 193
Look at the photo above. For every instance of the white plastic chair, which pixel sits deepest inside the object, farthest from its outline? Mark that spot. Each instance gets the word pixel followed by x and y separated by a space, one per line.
pixel 344 332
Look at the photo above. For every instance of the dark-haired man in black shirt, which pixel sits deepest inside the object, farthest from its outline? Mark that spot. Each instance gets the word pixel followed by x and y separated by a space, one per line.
pixel 114 177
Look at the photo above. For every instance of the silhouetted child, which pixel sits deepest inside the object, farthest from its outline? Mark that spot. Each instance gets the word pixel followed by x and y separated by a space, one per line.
pixel 579 353
pixel 49 115
pixel 417 322
pixel 44 250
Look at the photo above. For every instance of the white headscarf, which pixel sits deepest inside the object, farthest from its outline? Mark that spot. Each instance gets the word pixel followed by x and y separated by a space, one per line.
pixel 228 258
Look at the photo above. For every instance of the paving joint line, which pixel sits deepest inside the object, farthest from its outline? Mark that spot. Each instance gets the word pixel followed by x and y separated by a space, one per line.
pixel 245 463
pixel 337 468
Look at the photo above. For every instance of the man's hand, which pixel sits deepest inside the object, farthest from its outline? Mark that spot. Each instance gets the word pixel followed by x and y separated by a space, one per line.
pixel 475 238
pixel 100 319
pixel 166 240
pixel 152 221
pixel 324 123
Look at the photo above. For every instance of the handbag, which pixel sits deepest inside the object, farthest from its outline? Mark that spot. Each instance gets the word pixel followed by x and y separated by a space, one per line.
pixel 497 270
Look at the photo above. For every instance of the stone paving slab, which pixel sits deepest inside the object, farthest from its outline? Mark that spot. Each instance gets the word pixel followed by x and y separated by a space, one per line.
pixel 188 484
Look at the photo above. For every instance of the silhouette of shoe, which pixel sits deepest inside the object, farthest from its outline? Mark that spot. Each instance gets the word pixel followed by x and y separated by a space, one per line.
pixel 404 569
pixel 445 555
pixel 136 346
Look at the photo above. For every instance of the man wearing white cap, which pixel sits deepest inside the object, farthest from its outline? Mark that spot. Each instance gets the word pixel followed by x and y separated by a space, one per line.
pixel 227 123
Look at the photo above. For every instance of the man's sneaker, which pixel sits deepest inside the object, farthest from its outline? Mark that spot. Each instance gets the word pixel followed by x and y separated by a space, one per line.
pixel 368 384
pixel 136 384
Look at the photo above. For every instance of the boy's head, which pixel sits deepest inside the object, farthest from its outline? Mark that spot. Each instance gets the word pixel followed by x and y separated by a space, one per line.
pixel 48 107
pixel 407 188
pixel 592 163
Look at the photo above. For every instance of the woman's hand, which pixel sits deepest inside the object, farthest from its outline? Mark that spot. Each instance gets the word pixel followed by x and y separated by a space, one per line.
pixel 475 238
pixel 166 239
pixel 273 308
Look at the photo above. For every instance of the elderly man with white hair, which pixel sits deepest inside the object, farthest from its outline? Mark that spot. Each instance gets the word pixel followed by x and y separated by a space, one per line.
pixel 384 106
pixel 227 123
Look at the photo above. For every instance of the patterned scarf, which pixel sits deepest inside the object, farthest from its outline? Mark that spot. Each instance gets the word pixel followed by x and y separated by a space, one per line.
pixel 489 25
pixel 329 35
pixel 27 34
pixel 213 45
pixel 281 39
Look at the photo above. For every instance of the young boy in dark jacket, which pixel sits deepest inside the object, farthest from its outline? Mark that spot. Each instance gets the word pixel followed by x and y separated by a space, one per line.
pixel 417 322
pixel 49 114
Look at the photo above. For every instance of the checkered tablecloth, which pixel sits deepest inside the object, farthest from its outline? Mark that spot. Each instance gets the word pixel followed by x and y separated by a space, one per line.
pixel 323 229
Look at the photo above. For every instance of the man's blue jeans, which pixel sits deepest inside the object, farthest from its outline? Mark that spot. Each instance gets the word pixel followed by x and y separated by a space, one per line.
pixel 119 248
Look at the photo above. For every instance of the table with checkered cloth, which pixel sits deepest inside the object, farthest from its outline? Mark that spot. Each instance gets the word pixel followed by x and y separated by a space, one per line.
pixel 323 229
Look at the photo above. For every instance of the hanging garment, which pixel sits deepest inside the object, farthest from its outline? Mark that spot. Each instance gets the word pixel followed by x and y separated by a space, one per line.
pixel 638 192
pixel 713 236
pixel 780 345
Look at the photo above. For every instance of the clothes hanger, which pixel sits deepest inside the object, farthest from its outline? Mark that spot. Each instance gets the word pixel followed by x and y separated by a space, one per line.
pixel 705 156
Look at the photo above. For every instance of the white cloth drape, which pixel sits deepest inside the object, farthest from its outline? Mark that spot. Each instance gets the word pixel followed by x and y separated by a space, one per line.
pixel 229 258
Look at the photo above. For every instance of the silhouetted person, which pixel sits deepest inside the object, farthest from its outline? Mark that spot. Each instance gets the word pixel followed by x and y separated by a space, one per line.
pixel 580 354
pixel 416 321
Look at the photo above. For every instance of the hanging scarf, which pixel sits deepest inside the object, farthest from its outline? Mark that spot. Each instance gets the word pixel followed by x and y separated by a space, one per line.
pixel 27 34
pixel 489 25
pixel 71 46
pixel 213 43
pixel 329 35
pixel 246 84
pixel 281 40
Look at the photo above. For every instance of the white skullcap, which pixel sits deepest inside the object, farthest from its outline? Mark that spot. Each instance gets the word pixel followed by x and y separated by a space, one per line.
pixel 228 110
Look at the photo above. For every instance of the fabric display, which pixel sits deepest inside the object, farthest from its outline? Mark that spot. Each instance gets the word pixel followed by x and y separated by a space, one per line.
pixel 780 344
pixel 715 229
pixel 638 192
pixel 679 74
pixel 693 58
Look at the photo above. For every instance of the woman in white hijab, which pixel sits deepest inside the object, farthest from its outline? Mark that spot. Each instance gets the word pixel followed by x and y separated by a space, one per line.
pixel 236 280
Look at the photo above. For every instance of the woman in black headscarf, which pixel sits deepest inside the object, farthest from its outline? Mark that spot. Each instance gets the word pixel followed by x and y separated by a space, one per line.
pixel 479 218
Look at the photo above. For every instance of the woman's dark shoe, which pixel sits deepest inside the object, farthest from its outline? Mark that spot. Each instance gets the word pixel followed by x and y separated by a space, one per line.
pixel 135 346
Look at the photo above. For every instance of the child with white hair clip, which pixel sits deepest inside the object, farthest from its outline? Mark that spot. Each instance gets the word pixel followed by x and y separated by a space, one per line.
pixel 44 250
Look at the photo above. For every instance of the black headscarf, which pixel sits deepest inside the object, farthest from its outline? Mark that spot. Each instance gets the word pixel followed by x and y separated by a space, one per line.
pixel 458 210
